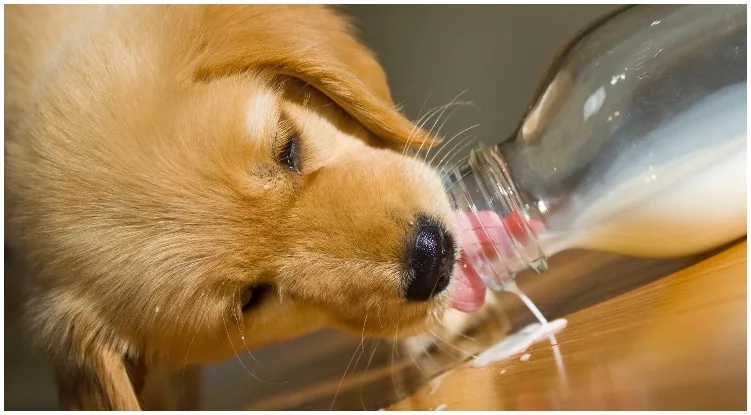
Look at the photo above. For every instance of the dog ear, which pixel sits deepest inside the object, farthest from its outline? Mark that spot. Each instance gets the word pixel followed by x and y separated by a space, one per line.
pixel 103 380
pixel 312 43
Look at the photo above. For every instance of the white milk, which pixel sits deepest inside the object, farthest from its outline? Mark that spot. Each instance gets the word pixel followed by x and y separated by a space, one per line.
pixel 670 197
pixel 520 342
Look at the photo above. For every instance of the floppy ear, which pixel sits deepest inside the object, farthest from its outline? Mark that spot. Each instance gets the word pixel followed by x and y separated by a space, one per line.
pixel 104 380
pixel 309 42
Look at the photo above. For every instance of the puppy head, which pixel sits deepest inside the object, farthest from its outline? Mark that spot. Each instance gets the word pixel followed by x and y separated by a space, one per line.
pixel 339 227
pixel 261 194
pixel 310 220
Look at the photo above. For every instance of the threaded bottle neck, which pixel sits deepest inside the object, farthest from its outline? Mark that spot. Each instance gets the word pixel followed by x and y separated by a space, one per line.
pixel 496 234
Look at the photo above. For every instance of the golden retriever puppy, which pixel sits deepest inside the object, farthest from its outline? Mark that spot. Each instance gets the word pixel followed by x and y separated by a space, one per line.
pixel 184 183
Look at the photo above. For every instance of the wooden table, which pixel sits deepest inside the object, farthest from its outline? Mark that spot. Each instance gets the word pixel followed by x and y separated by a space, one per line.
pixel 677 343
pixel 642 334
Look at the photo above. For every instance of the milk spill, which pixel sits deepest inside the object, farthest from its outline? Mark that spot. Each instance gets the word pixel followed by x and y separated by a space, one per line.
pixel 519 342
pixel 436 382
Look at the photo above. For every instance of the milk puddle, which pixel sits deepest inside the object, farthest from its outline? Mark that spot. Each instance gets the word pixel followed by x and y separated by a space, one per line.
pixel 524 338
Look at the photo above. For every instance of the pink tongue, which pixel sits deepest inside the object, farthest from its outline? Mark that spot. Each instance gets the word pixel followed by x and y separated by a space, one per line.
pixel 470 292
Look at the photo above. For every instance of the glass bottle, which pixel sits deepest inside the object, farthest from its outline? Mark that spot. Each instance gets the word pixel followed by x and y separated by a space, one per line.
pixel 634 144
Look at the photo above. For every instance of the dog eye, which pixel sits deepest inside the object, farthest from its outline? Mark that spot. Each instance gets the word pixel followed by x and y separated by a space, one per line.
pixel 289 154
pixel 252 296
pixel 246 298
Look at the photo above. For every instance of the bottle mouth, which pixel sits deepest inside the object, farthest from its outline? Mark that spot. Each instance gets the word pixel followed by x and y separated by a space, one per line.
pixel 496 235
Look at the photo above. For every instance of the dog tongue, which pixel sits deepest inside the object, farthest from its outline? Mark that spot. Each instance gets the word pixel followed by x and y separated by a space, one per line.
pixel 470 292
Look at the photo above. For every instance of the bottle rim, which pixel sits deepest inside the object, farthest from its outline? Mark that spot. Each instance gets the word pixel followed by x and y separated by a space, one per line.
pixel 495 233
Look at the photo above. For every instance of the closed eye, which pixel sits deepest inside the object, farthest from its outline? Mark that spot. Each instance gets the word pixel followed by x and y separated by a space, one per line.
pixel 289 153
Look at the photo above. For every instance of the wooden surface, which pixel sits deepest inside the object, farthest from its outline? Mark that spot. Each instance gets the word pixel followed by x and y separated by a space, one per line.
pixel 576 280
pixel 318 372
pixel 677 343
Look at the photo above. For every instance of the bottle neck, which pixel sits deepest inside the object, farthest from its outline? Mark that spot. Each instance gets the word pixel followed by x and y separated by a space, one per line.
pixel 498 236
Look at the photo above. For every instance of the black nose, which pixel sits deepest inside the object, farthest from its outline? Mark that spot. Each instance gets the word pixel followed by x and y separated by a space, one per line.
pixel 431 260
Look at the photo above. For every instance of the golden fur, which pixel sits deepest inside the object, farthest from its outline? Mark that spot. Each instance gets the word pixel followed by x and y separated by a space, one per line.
pixel 143 193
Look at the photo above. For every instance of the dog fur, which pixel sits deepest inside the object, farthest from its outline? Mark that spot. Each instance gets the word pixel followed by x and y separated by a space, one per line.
pixel 143 193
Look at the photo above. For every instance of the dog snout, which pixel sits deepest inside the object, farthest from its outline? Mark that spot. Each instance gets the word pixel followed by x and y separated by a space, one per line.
pixel 430 258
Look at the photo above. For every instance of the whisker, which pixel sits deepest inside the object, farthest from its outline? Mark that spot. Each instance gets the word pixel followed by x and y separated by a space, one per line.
pixel 378 315
pixel 393 350
pixel 451 103
pixel 430 114
pixel 458 106
pixel 445 171
pixel 448 352
pixel 412 131
pixel 242 335
pixel 461 105
pixel 460 178
pixel 472 139
pixel 438 132
pixel 238 316
pixel 359 356
pixel 362 340
pixel 428 353
pixel 427 117
pixel 435 319
pixel 417 365
pixel 366 372
pixel 187 353
pixel 419 123
pixel 238 355
pixel 452 345
pixel 450 152
pixel 444 110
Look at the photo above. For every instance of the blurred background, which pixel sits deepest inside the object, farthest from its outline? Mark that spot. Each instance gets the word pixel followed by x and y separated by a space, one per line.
pixel 493 55
pixel 496 55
